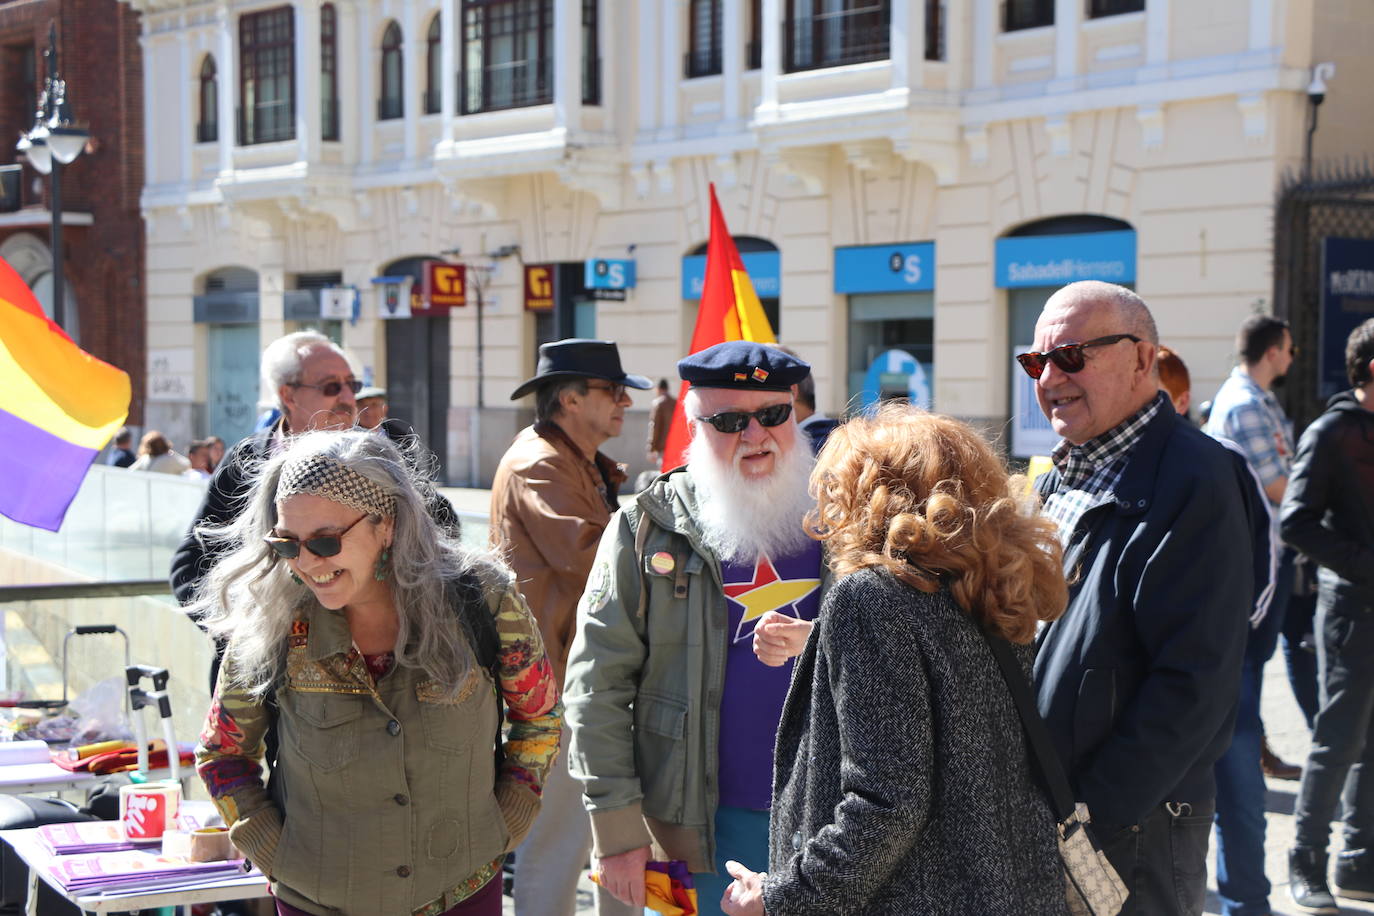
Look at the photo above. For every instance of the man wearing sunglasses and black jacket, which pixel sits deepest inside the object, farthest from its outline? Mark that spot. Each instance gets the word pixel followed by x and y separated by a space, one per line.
pixel 1138 680
pixel 315 388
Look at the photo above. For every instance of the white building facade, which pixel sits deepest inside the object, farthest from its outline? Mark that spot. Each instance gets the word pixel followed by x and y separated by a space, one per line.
pixel 907 181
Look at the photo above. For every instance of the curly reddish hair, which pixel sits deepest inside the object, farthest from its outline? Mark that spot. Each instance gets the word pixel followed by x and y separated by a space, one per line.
pixel 925 497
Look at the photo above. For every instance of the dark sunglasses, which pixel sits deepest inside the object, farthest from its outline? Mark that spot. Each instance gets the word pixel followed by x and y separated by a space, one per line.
pixel 324 545
pixel 617 390
pixel 332 389
pixel 1070 357
pixel 736 421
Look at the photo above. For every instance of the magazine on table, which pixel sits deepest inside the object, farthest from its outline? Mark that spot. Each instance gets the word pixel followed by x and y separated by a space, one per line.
pixel 97 836
pixel 134 869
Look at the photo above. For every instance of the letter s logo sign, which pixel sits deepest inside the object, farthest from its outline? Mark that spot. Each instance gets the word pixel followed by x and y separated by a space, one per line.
pixel 616 275
pixel 912 274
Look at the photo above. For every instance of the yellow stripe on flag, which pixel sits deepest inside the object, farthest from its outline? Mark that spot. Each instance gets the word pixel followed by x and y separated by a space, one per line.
pixel 748 312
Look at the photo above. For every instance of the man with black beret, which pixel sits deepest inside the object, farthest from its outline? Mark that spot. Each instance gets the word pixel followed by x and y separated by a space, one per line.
pixel 552 496
pixel 702 591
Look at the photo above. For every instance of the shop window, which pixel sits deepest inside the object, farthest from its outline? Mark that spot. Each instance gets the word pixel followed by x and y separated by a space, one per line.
pixel 892 348
pixel 833 33
pixel 1026 14
pixel 267 87
pixel 391 104
pixel 434 57
pixel 1100 8
pixel 329 73
pixel 207 128
pixel 703 56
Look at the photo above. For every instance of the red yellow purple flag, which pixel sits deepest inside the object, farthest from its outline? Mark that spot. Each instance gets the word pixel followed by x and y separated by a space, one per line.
pixel 61 406
pixel 729 310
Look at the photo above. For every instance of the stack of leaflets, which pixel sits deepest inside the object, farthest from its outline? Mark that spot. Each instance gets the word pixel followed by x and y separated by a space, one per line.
pixel 136 870
pixel 96 836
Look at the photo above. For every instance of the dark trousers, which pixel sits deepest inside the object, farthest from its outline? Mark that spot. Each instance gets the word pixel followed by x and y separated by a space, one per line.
pixel 1342 756
pixel 1298 621
pixel 1163 861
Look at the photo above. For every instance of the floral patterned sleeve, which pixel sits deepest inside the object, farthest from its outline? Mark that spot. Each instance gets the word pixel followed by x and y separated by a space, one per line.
pixel 531 694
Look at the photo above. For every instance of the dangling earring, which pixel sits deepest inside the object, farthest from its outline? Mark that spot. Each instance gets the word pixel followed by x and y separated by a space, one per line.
pixel 295 578
pixel 381 572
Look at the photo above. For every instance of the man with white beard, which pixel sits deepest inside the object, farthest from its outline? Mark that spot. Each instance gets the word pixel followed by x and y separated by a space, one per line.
pixel 702 591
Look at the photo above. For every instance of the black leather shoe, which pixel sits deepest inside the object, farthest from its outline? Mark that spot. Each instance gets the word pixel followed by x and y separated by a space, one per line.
pixel 1355 874
pixel 1307 881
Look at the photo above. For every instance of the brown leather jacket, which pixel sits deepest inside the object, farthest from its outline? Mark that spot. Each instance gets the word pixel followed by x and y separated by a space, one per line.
pixel 549 506
pixel 660 419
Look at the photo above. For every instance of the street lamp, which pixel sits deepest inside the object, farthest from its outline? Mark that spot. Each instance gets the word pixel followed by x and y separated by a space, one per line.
pixel 52 142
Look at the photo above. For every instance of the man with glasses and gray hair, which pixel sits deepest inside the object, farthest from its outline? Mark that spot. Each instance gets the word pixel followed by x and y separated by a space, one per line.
pixel 1138 680
pixel 552 497
pixel 702 591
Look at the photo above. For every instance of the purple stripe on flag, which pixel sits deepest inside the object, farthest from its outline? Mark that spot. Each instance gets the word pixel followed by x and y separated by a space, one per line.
pixel 39 473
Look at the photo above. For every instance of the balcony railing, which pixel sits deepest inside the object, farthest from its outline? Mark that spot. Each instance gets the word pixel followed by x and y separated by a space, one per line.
pixel 1026 14
pixel 1099 8
pixel 207 131
pixel 703 62
pixel 852 36
pixel 389 108
pixel 512 84
pixel 267 122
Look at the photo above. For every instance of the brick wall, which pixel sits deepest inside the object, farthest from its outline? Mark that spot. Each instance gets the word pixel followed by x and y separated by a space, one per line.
pixel 100 58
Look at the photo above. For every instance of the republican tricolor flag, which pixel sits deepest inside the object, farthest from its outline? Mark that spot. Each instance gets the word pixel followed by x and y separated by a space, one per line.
pixel 729 310
pixel 59 407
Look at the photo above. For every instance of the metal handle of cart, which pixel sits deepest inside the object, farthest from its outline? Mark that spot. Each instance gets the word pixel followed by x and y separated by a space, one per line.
pixel 158 696
pixel 87 630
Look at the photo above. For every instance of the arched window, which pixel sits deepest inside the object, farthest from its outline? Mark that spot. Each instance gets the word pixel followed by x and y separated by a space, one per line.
pixel 391 104
pixel 207 129
pixel 329 73
pixel 432 65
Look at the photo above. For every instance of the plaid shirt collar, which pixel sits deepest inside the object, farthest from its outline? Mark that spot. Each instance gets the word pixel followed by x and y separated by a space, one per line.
pixel 1077 463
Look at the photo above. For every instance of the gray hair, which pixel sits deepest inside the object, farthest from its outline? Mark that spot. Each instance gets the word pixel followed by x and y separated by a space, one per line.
pixel 281 361
pixel 249 599
pixel 548 398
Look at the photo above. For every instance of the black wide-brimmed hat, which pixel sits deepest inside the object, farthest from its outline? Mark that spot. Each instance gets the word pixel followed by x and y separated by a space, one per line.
pixel 577 358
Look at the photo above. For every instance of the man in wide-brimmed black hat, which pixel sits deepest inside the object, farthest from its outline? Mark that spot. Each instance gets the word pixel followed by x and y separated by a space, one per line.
pixel 553 495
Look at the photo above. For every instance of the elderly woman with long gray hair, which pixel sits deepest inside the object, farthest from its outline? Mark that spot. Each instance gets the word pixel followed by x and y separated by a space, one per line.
pixel 384 654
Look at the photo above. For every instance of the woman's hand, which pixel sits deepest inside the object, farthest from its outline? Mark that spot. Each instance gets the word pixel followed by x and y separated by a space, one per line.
pixel 778 637
pixel 623 875
pixel 745 896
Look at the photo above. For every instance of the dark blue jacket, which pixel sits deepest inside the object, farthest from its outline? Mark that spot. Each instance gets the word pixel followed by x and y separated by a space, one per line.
pixel 1138 680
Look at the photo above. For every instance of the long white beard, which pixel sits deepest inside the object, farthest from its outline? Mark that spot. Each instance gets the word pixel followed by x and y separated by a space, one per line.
pixel 741 517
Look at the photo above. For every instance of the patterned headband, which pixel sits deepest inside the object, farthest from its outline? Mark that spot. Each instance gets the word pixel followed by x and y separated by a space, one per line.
pixel 321 476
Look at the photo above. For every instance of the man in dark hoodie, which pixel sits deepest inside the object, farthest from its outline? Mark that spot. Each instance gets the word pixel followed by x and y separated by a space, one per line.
pixel 1328 514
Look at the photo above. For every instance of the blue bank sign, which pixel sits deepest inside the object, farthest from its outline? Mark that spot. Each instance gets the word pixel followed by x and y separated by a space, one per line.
pixel 609 273
pixel 1053 260
pixel 1347 302
pixel 764 267
pixel 885 268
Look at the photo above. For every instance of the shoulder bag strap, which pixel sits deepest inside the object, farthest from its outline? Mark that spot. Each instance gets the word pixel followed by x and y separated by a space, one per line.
pixel 1043 754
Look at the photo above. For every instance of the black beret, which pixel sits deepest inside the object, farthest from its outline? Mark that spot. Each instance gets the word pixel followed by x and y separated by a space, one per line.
pixel 743 364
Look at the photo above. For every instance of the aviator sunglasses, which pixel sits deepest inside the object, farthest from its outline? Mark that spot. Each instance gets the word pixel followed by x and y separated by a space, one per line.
pixel 1069 358
pixel 332 389
pixel 735 421
pixel 324 545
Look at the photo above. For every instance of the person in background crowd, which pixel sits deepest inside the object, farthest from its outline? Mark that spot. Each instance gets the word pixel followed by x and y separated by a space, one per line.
pixel 1246 412
pixel 904 781
pixel 354 625
pixel 122 455
pixel 1138 679
pixel 372 407
pixel 1328 514
pixel 199 456
pixel 155 454
pixel 660 420
pixel 701 593
pixel 551 498
pixel 817 426
pixel 1242 884
pixel 216 446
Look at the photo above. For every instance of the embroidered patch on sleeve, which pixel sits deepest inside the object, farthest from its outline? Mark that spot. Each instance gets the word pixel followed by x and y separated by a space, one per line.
pixel 598 587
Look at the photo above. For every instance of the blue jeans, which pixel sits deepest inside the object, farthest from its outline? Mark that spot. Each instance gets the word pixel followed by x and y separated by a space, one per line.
pixel 1241 883
pixel 742 835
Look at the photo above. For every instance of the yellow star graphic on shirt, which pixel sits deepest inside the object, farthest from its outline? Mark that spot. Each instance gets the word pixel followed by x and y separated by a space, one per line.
pixel 767 592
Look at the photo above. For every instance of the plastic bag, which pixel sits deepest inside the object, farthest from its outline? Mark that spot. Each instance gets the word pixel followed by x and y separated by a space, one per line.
pixel 99 713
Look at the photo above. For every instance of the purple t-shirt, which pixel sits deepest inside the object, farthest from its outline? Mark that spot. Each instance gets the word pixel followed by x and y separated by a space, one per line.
pixel 754 692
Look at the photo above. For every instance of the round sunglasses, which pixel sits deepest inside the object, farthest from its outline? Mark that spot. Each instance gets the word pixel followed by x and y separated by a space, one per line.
pixel 736 421
pixel 332 389
pixel 1070 357
pixel 323 545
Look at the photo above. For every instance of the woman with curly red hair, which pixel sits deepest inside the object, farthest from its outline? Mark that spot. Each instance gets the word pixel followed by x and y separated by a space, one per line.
pixel 903 783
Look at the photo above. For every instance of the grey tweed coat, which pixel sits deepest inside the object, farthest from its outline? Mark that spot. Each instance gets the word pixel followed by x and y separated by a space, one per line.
pixel 902 783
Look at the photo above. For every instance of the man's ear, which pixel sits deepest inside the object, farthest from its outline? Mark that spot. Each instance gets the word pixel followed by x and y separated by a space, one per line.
pixel 287 395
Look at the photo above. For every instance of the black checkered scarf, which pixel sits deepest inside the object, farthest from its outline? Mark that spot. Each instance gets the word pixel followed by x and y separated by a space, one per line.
pixel 321 476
